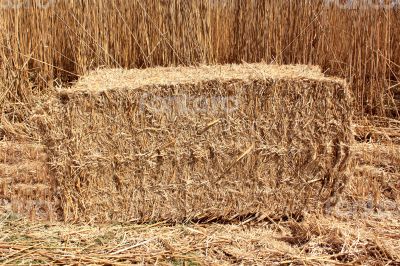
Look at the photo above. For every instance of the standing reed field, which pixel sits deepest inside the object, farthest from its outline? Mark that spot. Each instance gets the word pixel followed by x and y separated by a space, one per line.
pixel 49 42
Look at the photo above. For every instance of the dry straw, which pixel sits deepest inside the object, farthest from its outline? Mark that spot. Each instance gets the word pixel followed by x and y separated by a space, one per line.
pixel 207 143
pixel 25 183
pixel 315 241
pixel 377 155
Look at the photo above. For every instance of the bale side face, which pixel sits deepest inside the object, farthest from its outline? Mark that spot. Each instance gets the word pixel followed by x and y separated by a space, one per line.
pixel 213 149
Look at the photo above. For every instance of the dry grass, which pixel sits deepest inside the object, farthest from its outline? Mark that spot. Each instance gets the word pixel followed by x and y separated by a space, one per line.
pixel 25 184
pixel 376 175
pixel 42 47
pixel 333 240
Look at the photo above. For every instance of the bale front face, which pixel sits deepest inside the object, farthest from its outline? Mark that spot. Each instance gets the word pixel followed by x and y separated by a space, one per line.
pixel 204 143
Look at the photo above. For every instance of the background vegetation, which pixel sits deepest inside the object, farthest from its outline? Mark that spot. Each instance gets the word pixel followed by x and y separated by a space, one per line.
pixel 43 45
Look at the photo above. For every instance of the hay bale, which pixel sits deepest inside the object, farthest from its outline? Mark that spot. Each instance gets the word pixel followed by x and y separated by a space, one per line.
pixel 199 143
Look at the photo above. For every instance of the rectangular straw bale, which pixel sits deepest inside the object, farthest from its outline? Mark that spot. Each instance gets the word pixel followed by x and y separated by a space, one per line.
pixel 199 143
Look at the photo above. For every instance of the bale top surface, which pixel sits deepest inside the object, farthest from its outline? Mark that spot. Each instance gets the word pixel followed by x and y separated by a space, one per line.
pixel 106 79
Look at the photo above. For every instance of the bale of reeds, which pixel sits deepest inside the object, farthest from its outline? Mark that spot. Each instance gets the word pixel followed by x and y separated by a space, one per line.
pixel 199 143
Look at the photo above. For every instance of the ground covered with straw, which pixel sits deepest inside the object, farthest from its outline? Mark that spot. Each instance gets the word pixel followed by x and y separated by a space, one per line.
pixel 341 238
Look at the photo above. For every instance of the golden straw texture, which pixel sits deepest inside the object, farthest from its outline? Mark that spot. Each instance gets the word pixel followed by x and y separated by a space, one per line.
pixel 25 183
pixel 206 143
